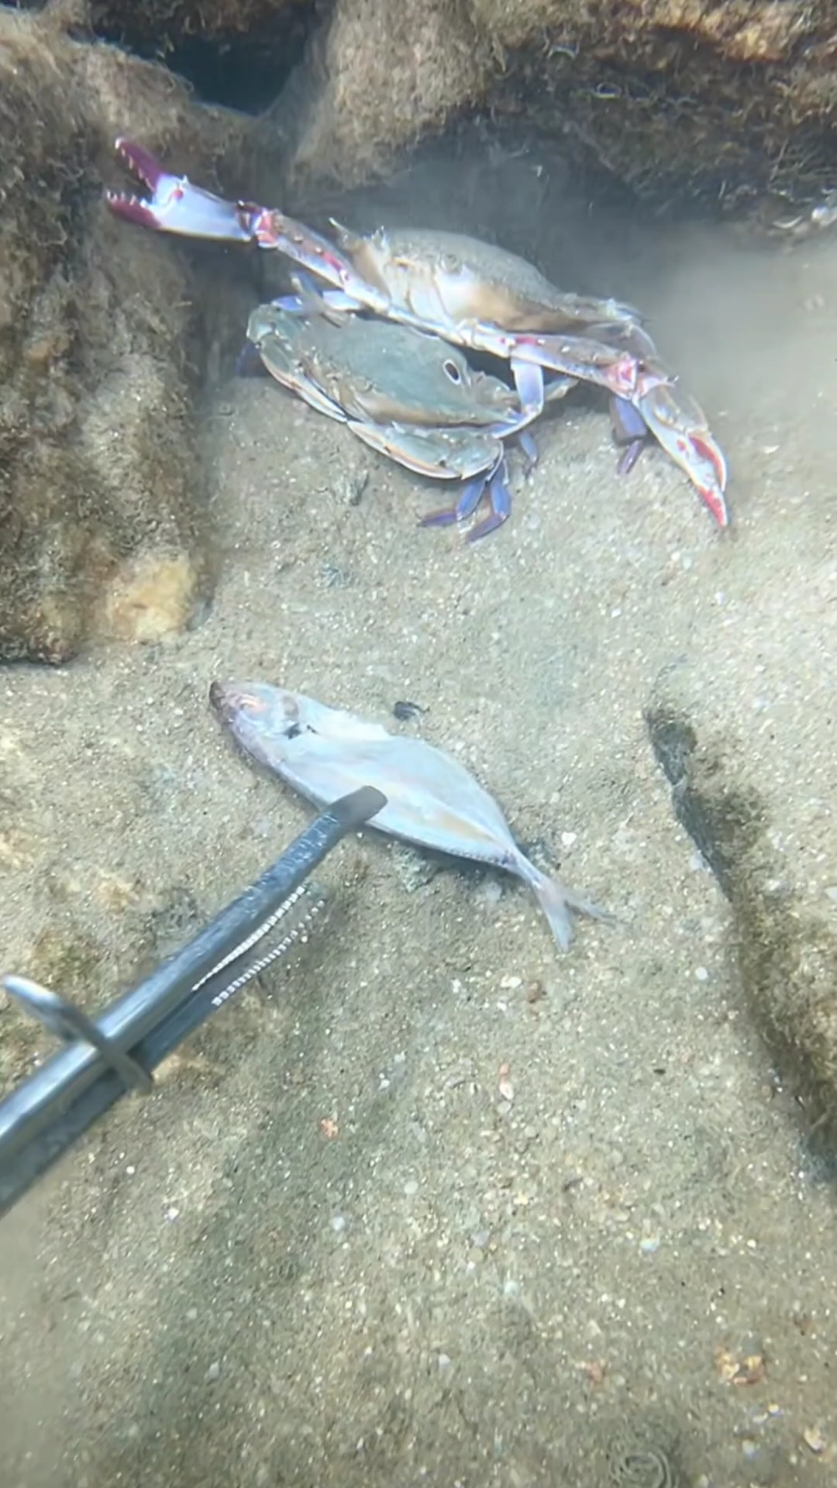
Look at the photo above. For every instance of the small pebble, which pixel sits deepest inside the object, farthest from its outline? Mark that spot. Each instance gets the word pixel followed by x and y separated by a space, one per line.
pixel 814 1440
pixel 406 711
pixel 213 1372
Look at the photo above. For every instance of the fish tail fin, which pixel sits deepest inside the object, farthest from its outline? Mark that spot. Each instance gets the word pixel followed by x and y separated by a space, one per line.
pixel 560 903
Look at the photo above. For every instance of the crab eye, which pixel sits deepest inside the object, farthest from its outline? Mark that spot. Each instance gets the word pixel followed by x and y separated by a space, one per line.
pixel 452 371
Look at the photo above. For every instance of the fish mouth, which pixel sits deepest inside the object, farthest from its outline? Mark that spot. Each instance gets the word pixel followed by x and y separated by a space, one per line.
pixel 219 701
pixel 229 699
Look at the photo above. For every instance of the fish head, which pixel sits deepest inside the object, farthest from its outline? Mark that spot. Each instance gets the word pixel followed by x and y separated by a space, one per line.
pixel 274 725
pixel 262 719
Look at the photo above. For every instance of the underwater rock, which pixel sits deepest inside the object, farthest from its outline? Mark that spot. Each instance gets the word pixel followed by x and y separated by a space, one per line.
pixel 674 98
pixel 381 78
pixel 150 598
pixel 167 22
pixel 772 854
pixel 728 102
pixel 235 52
pixel 100 337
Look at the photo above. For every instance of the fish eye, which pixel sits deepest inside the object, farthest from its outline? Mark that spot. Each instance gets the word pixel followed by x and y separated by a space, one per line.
pixel 452 371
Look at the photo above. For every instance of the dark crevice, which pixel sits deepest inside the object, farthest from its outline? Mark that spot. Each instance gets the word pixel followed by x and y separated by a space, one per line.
pixel 244 72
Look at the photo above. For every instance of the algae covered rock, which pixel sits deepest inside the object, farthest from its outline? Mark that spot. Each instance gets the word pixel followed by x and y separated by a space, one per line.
pixel 166 22
pixel 383 77
pixel 727 101
pixel 673 98
pixel 101 344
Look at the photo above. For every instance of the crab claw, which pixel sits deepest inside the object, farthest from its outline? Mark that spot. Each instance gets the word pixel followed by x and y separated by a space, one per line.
pixel 175 205
pixel 679 424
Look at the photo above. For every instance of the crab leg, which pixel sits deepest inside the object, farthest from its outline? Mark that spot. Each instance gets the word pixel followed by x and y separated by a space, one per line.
pixel 311 251
pixel 499 496
pixel 630 430
pixel 576 356
pixel 529 450
pixel 496 483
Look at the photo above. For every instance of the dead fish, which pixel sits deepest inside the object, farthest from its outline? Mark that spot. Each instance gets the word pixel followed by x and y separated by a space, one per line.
pixel 432 800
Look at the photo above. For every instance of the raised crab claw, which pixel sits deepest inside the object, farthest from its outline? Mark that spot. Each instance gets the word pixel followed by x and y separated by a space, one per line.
pixel 470 294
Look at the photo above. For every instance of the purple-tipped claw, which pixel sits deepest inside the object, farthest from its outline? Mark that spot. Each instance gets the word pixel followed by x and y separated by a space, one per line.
pixel 471 494
pixel 630 429
pixel 629 457
pixel 490 524
pixel 529 448
pixel 500 497
pixel 444 518
pixel 175 205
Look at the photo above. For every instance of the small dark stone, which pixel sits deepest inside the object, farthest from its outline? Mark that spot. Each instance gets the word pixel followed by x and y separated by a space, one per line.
pixel 406 712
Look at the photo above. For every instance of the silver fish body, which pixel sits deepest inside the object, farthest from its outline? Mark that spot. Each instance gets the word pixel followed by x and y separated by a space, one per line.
pixel 432 800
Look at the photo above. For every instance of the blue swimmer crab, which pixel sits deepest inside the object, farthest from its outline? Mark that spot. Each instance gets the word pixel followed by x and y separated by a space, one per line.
pixel 405 393
pixel 471 294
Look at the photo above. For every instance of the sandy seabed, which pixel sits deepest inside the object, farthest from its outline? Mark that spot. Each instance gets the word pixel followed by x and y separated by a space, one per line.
pixel 329 1249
